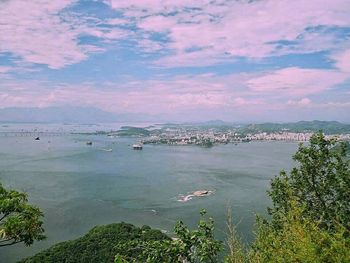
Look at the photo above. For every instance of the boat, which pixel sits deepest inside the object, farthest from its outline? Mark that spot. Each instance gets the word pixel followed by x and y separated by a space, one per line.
pixel 137 146
pixel 89 143
pixel 107 150
pixel 37 139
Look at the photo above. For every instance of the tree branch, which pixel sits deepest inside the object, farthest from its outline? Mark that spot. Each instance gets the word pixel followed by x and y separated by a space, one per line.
pixel 10 244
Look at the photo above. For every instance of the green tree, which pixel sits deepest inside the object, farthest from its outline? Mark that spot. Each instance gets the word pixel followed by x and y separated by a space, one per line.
pixel 100 244
pixel 19 221
pixel 197 245
pixel 320 183
pixel 300 239
pixel 310 210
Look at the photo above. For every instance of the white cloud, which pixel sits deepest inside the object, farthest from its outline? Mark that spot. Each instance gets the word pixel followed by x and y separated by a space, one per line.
pixel 301 102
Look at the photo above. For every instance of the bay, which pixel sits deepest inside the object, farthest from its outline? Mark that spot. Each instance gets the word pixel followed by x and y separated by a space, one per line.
pixel 80 186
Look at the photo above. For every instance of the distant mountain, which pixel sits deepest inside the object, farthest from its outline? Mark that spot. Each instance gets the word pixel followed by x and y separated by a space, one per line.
pixel 212 123
pixel 328 127
pixel 68 115
pixel 56 115
pixel 215 123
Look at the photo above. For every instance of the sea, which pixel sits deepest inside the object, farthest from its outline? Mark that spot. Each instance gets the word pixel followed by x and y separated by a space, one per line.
pixel 79 186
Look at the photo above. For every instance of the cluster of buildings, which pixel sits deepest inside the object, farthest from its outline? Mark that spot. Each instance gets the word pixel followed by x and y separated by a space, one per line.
pixel 184 136
pixel 210 137
pixel 281 136
pixel 291 136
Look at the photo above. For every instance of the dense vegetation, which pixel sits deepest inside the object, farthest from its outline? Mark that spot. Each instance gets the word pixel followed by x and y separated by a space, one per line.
pixel 320 184
pixel 133 131
pixel 310 213
pixel 299 239
pixel 19 221
pixel 100 244
pixel 197 245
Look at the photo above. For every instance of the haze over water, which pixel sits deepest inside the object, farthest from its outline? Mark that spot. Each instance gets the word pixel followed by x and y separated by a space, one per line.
pixel 79 186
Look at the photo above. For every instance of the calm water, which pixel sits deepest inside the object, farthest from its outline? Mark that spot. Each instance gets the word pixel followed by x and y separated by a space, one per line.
pixel 79 186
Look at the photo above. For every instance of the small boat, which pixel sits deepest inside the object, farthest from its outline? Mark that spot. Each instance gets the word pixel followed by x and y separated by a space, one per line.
pixel 37 139
pixel 89 143
pixel 107 150
pixel 137 146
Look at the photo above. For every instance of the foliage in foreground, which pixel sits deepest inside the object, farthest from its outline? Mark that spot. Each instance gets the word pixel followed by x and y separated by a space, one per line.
pixel 236 249
pixel 320 184
pixel 100 244
pixel 300 239
pixel 310 213
pixel 189 246
pixel 19 221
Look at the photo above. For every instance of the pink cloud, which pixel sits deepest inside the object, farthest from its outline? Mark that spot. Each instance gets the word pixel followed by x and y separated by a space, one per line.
pixel 117 21
pixel 296 82
pixel 43 32
pixel 33 31
pixel 157 23
pixel 225 29
pixel 4 69
pixel 37 32
pixel 343 61
pixel 151 6
pixel 307 103
pixel 248 102
pixel 175 94
pixel 251 93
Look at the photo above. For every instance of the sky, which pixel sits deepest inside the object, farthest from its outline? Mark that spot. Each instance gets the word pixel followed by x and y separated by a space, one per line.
pixel 184 60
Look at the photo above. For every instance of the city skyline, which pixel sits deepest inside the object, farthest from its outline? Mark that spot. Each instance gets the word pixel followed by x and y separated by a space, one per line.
pixel 179 60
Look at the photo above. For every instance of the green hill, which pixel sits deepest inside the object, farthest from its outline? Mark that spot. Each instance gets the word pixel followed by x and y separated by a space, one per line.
pixel 133 131
pixel 328 127
pixel 98 245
